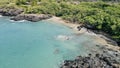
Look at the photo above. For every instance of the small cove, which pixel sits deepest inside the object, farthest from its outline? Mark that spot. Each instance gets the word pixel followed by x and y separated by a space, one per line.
pixel 35 45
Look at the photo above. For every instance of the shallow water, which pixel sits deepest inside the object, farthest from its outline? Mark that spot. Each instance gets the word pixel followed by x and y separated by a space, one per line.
pixel 25 44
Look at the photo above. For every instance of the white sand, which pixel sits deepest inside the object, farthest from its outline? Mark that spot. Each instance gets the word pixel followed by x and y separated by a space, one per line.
pixel 59 20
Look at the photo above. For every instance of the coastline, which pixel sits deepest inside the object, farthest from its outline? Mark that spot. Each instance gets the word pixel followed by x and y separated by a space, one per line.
pixel 101 39
pixel 103 45
pixel 104 52
pixel 66 23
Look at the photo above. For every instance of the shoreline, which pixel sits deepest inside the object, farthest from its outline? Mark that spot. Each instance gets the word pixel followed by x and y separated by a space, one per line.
pixel 103 52
pixel 101 39
pixel 103 42
pixel 61 21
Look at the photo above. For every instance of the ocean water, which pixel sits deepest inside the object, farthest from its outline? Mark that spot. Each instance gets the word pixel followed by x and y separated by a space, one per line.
pixel 25 44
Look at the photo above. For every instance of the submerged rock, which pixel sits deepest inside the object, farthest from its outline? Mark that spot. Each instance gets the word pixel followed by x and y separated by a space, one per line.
pixel 31 17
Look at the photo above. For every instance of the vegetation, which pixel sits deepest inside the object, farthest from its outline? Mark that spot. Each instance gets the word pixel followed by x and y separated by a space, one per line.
pixel 102 15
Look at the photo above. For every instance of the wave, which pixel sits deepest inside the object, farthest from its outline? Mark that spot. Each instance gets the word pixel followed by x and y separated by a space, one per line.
pixel 63 37
pixel 1 16
pixel 91 33
pixel 18 21
pixel 88 32
pixel 21 21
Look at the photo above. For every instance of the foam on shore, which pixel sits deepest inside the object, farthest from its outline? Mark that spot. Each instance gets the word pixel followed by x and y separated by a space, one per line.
pixel 1 16
pixel 17 21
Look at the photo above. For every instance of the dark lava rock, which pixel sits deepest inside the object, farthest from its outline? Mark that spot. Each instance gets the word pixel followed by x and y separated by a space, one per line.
pixel 89 27
pixel 79 27
pixel 31 17
pixel 98 61
pixel 10 12
pixel 118 41
pixel 104 58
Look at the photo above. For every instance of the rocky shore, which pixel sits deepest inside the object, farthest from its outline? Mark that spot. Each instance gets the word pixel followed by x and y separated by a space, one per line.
pixel 17 14
pixel 31 17
pixel 10 11
pixel 106 58
pixel 104 55
pixel 106 36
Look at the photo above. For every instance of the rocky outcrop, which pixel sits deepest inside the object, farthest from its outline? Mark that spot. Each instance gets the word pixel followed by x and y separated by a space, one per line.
pixel 17 13
pixel 107 58
pixel 10 11
pixel 31 17
pixel 106 36
pixel 99 61
pixel 118 41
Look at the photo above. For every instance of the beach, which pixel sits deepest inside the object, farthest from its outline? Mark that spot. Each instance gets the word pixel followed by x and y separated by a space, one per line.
pixel 98 37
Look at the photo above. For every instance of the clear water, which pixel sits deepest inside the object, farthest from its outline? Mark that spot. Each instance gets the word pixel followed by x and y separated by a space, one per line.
pixel 34 45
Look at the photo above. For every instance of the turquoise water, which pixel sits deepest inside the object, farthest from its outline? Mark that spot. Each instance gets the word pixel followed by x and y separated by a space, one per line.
pixel 35 45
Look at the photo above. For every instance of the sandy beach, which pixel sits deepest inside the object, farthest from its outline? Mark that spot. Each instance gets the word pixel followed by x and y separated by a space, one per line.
pixel 97 37
pixel 66 23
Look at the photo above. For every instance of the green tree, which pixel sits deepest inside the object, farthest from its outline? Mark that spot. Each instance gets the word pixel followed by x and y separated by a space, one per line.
pixel 34 2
